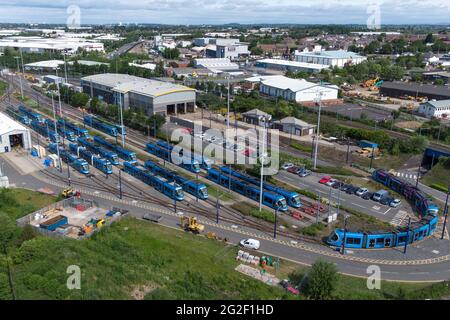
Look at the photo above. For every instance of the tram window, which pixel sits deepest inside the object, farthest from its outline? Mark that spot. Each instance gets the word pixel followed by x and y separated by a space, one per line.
pixel 353 241
pixel 401 239
pixel 387 242
pixel 416 236
pixel 371 243
pixel 380 241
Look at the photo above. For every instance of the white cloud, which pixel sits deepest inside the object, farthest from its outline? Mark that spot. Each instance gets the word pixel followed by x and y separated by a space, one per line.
pixel 224 11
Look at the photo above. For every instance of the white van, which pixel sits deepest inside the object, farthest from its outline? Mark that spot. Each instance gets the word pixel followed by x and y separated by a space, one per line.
pixel 250 244
pixel 380 194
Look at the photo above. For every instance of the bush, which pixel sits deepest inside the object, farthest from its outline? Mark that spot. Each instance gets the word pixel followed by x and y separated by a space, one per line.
pixel 314 229
pixel 439 187
pixel 322 280
pixel 248 210
pixel 301 147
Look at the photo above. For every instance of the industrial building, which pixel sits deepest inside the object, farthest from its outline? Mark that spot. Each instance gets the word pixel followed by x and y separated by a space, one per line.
pixel 13 135
pixel 44 66
pixel 294 126
pixel 152 96
pixel 50 45
pixel 286 65
pixel 256 117
pixel 223 48
pixel 416 90
pixel 216 65
pixel 435 109
pixel 51 79
pixel 334 58
pixel 298 90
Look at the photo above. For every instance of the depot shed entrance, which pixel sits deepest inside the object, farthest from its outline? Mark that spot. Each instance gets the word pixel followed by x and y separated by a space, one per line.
pixel 13 135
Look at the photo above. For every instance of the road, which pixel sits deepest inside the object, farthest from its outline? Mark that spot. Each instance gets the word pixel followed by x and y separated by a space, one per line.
pixel 420 264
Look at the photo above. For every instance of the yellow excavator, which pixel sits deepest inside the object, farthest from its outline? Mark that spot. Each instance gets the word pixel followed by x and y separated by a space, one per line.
pixel 191 224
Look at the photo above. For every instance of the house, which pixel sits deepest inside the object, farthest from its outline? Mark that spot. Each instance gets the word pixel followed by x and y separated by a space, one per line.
pixel 294 126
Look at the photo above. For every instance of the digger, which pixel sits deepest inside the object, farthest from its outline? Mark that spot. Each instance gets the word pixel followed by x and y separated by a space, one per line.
pixel 70 192
pixel 191 224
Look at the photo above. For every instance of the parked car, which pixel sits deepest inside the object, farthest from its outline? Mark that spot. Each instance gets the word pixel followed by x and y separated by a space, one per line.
pixel 325 180
pixel 293 169
pixel 344 187
pixel 287 285
pixel 330 182
pixel 352 189
pixel 285 166
pixel 250 244
pixel 395 203
pixel 367 195
pixel 380 194
pixel 386 200
pixel 361 191
pixel 304 172
pixel 337 185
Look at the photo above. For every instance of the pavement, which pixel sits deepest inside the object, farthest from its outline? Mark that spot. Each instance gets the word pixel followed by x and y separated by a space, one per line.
pixel 428 260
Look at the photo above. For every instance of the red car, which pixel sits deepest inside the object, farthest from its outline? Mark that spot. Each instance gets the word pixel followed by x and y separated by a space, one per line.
pixel 293 169
pixel 325 179
pixel 285 284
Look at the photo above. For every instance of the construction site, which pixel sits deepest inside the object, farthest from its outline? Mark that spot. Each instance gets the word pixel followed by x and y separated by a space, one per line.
pixel 73 217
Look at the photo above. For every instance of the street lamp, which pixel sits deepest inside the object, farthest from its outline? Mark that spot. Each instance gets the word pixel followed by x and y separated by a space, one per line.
pixel 262 156
pixel 20 78
pixel 319 99
pixel 275 223
pixel 445 212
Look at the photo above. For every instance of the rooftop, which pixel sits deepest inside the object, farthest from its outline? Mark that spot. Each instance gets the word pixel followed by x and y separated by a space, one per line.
pixel 294 64
pixel 7 124
pixel 335 54
pixel 256 112
pixel 439 103
pixel 295 121
pixel 417 87
pixel 285 83
pixel 125 83
pixel 52 64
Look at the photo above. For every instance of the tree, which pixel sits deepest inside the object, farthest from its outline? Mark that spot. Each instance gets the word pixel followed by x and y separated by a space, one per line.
pixel 79 99
pixel 429 38
pixel 171 53
pixel 322 280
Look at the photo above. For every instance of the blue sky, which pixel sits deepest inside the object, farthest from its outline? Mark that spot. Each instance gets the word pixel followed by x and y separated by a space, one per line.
pixel 227 11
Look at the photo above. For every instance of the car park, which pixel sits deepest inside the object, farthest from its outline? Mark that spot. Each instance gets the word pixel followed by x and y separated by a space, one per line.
pixel 395 203
pixel 361 191
pixel 367 195
pixel 250 244
pixel 352 189
pixel 286 165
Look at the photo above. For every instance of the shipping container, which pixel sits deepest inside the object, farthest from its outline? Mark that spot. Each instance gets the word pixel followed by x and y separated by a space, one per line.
pixel 53 223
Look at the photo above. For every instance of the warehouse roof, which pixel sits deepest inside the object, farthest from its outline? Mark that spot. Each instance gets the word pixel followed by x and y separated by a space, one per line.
pixel 294 64
pixel 417 87
pixel 52 64
pixel 126 83
pixel 285 83
pixel 334 54
pixel 7 125
pixel 439 103
pixel 295 122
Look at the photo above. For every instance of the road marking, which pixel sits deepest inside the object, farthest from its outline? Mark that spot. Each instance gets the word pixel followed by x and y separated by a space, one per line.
pixel 387 211
pixel 435 252
pixel 376 208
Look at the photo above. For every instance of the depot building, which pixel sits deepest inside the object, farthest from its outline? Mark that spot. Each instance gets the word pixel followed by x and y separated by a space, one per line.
pixel 13 135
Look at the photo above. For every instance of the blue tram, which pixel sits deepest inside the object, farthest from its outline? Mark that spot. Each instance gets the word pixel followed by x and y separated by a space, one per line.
pixel 80 132
pixel 78 164
pixel 104 165
pixel 378 240
pixel 19 117
pixel 293 198
pixel 70 135
pixel 418 230
pixel 100 125
pixel 124 154
pixel 204 162
pixel 172 190
pixel 184 162
pixel 46 131
pixel 111 156
pixel 196 189
pixel 423 205
pixel 272 200
pixel 33 116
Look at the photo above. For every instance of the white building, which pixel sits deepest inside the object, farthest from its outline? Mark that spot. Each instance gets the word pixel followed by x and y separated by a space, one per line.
pixel 216 65
pixel 298 90
pixel 436 109
pixel 13 135
pixel 286 65
pixel 336 58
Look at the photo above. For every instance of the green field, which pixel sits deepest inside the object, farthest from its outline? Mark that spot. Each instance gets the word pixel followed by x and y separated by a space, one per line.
pixel 439 175
pixel 133 259
pixel 3 87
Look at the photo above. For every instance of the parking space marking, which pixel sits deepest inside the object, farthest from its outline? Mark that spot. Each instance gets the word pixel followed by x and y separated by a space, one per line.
pixel 376 208
pixel 387 211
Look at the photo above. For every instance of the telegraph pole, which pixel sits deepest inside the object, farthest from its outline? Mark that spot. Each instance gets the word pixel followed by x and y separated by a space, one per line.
pixel 261 157
pixel 407 235
pixel 445 212
pixel 120 184
pixel 57 136
pixel 275 223
pixel 345 234
pixel 20 78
